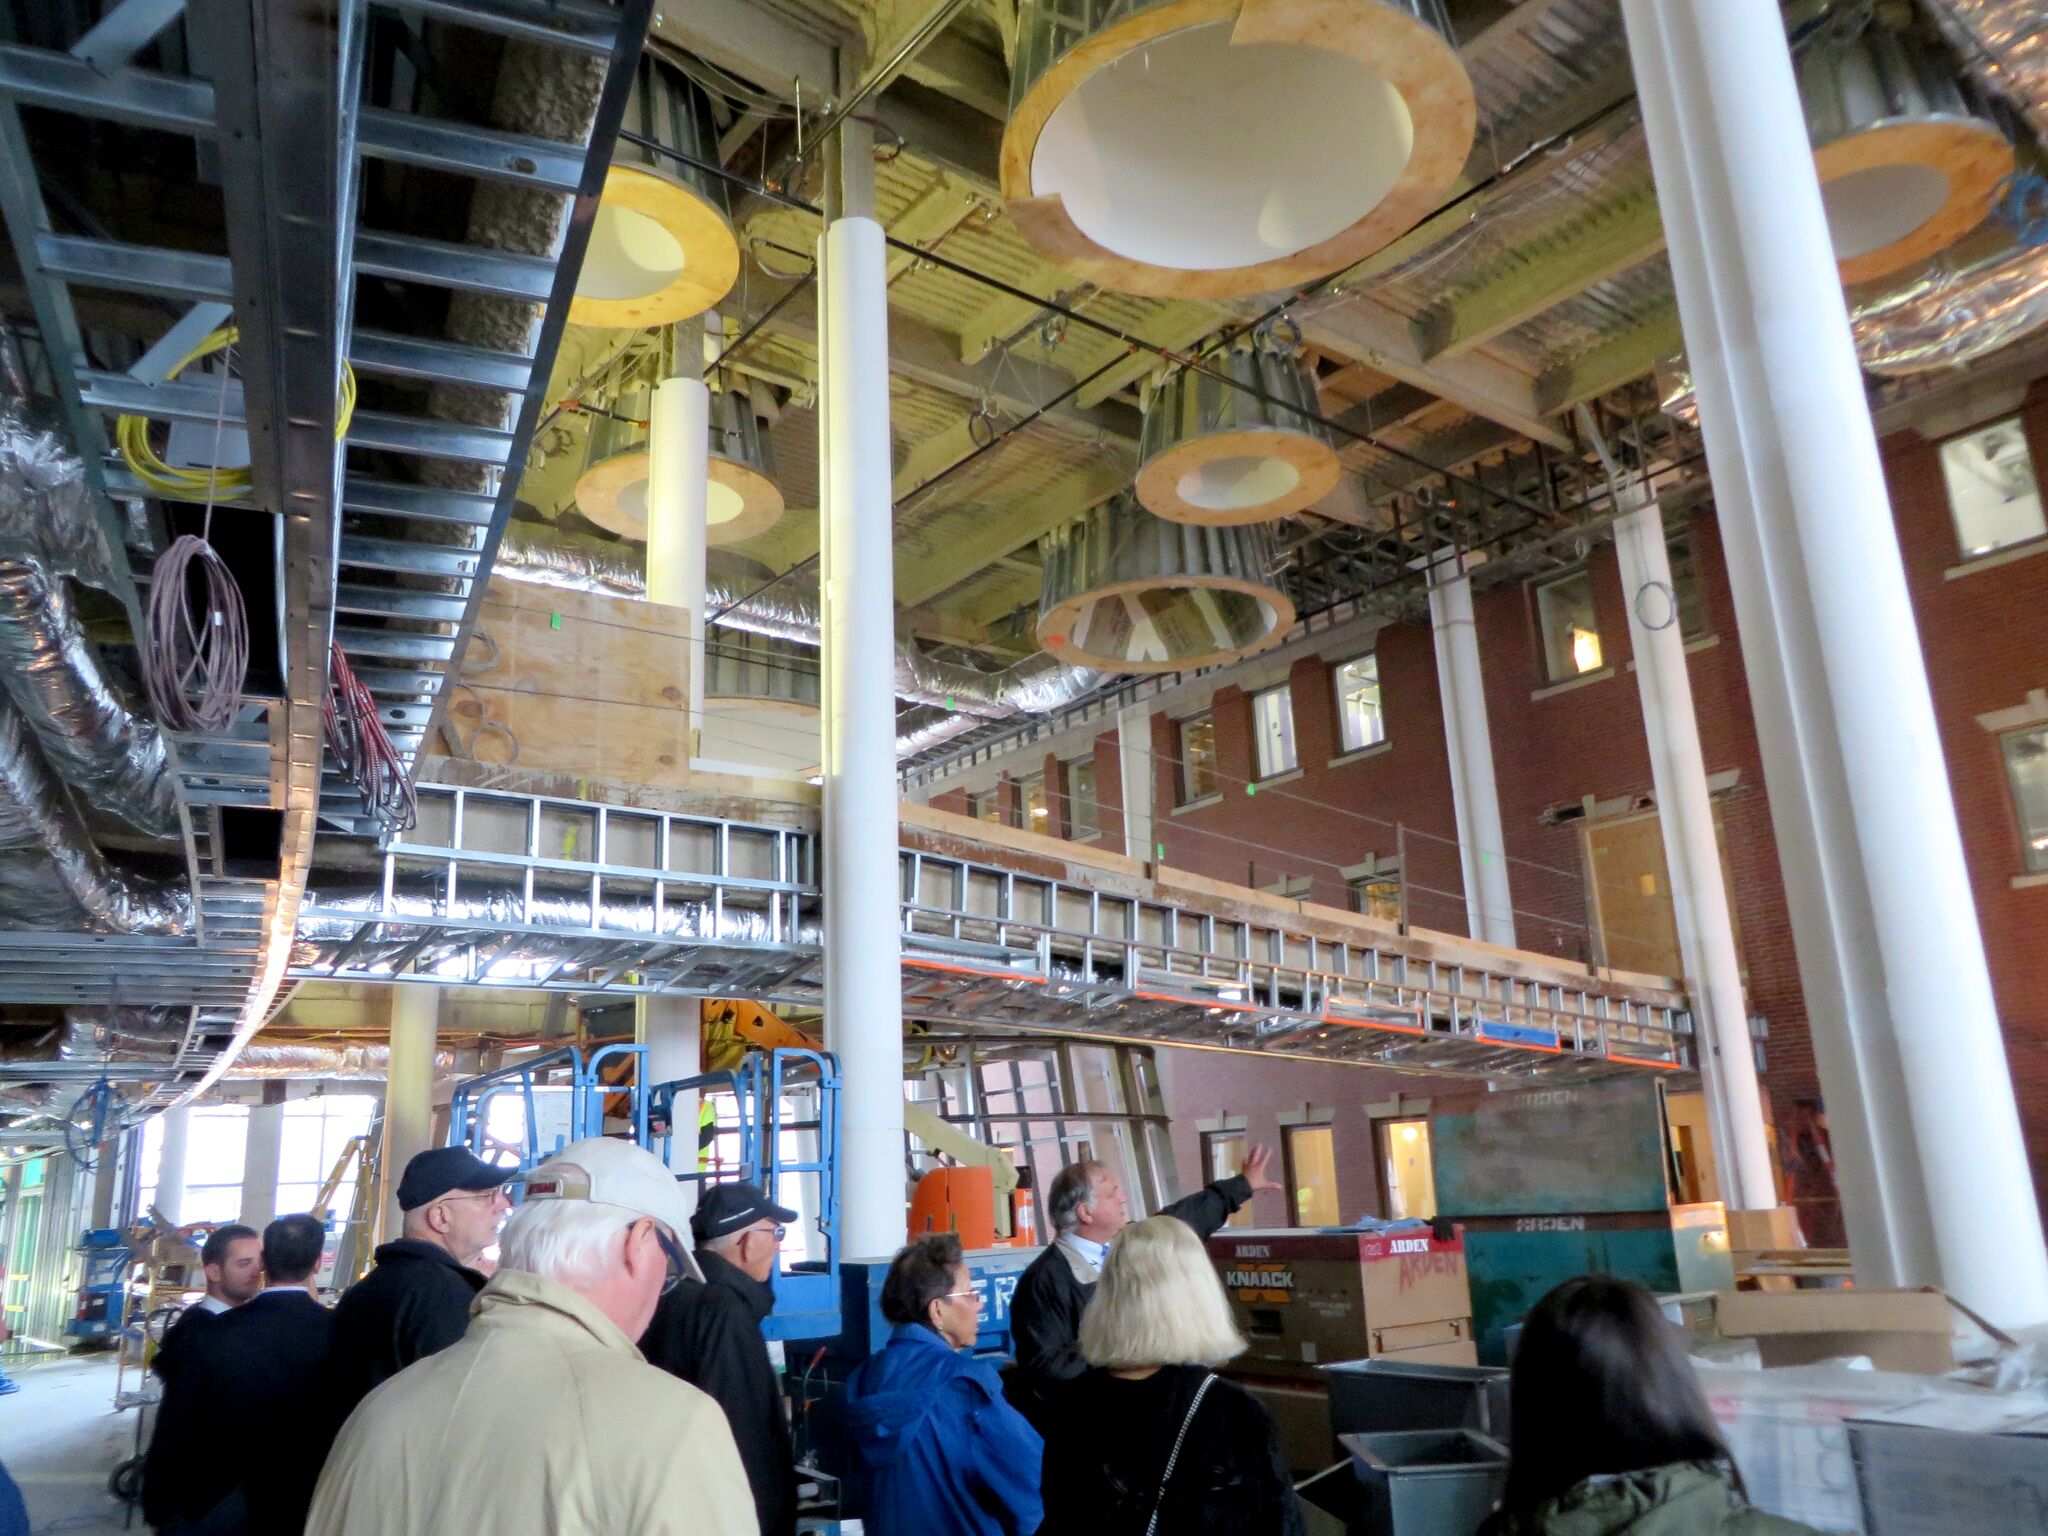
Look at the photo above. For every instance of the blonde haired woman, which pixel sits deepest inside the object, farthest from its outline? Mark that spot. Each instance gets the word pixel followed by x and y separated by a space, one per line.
pixel 1151 1440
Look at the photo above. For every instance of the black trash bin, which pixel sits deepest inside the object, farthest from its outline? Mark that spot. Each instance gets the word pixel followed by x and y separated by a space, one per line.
pixel 1426 1482
pixel 1372 1396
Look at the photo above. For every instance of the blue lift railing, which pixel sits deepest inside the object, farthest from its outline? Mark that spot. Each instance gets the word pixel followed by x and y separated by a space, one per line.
pixel 469 1105
pixel 806 1298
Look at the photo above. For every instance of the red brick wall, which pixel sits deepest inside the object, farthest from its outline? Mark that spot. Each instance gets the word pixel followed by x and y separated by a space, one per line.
pixel 1986 643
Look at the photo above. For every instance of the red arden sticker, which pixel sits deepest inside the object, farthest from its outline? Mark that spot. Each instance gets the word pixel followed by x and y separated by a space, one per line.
pixel 1373 1249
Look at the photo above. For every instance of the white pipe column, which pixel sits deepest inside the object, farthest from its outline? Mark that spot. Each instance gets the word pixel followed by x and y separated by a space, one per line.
pixel 678 485
pixel 261 1154
pixel 408 1089
pixel 863 940
pixel 1692 857
pixel 1926 1137
pixel 1482 847
pixel 672 1029
pixel 170 1162
pixel 1136 778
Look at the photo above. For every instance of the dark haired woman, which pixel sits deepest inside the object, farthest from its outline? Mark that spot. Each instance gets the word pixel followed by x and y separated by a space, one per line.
pixel 1611 1431
pixel 940 1451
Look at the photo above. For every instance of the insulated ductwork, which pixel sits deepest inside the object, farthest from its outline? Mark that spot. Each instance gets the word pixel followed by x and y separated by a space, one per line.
pixel 329 1063
pixel 51 874
pixel 114 760
pixel 1244 447
pixel 1129 592
pixel 151 1036
pixel 662 248
pixel 1907 163
pixel 742 499
pixel 1218 148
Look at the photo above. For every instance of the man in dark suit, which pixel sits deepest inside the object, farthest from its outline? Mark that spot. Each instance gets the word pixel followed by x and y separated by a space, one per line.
pixel 233 1263
pixel 233 1426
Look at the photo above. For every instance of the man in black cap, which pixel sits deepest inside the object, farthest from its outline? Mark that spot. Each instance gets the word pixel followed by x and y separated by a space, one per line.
pixel 708 1332
pixel 416 1301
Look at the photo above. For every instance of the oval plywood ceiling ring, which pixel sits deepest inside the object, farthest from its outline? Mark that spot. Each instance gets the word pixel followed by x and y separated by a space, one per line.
pixel 742 499
pixel 1942 173
pixel 1211 149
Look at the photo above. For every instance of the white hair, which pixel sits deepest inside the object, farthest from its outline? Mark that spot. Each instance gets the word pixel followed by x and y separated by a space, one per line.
pixel 1159 1301
pixel 571 1242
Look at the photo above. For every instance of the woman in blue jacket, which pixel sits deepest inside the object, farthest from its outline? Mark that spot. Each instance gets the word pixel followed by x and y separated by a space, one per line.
pixel 941 1453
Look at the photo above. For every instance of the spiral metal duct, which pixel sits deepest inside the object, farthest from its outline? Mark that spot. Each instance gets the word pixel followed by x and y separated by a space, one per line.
pixel 1908 163
pixel 662 248
pixel 1245 447
pixel 1129 592
pixel 1218 148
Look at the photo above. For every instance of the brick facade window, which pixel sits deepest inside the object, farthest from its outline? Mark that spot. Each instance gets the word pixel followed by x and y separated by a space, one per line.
pixel 1361 722
pixel 1035 815
pixel 1992 493
pixel 1273 731
pixel 2026 769
pixel 1195 749
pixel 986 805
pixel 1571 632
pixel 1690 596
pixel 1377 894
pixel 1084 812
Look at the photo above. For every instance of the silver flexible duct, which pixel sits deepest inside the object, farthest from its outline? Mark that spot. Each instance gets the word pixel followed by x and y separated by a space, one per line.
pixel 148 1035
pixel 55 871
pixel 789 610
pixel 324 932
pixel 335 1063
pixel 113 758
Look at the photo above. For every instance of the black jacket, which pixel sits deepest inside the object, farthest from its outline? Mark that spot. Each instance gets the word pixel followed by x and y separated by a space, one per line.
pixel 179 1338
pixel 415 1303
pixel 1106 1455
pixel 708 1332
pixel 1045 1312
pixel 237 1413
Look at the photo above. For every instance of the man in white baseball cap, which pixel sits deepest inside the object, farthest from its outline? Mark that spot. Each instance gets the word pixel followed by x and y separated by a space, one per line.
pixel 544 1418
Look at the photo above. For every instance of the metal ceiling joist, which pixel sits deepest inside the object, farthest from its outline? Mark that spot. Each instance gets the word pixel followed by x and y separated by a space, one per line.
pixel 970 75
pixel 1619 359
pixel 1024 522
pixel 771 46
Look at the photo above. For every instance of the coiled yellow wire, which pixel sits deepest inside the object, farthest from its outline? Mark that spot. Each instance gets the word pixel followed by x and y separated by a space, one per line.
pixel 131 437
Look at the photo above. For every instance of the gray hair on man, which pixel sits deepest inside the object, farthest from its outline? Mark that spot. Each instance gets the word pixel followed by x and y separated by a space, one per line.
pixel 1159 1302
pixel 1072 1188
pixel 567 1241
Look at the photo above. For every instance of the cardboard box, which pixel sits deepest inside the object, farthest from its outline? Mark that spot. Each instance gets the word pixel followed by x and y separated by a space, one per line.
pixel 1899 1330
pixel 1928 1470
pixel 1306 1298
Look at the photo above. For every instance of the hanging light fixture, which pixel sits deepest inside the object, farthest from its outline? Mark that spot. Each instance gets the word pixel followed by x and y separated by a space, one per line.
pixel 1125 591
pixel 662 246
pixel 1235 442
pixel 742 500
pixel 1217 148
pixel 1908 163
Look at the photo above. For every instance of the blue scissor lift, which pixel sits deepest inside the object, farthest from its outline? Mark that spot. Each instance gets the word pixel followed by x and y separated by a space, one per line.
pixel 806 1297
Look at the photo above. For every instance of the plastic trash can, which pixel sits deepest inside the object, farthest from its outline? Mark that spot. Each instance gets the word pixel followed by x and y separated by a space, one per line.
pixel 1427 1482
pixel 1372 1396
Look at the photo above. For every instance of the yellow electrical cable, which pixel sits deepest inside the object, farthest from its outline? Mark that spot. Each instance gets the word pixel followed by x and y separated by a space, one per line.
pixel 131 436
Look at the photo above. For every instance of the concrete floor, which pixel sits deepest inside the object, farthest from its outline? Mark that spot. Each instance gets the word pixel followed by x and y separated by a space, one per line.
pixel 60 1437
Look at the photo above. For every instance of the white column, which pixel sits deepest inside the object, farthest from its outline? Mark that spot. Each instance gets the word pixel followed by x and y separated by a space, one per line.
pixel 408 1089
pixel 1692 857
pixel 1482 848
pixel 261 1154
pixel 1134 770
pixel 863 938
pixel 678 482
pixel 1932 1169
pixel 170 1163
pixel 672 1029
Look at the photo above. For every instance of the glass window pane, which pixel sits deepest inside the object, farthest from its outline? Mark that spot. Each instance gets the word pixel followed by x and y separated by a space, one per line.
pixel 1571 634
pixel 1311 1153
pixel 1991 488
pixel 1378 895
pixel 1031 801
pixel 1359 721
pixel 1411 1178
pixel 1197 758
pixel 1273 731
pixel 1084 818
pixel 1222 1156
pixel 2026 765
